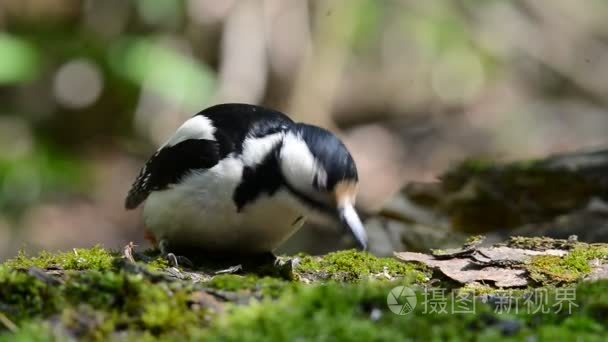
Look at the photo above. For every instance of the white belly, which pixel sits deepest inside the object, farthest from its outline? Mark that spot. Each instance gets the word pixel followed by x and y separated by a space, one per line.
pixel 200 212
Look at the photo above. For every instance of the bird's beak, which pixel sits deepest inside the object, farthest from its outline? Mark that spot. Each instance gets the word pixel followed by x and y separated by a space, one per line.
pixel 350 219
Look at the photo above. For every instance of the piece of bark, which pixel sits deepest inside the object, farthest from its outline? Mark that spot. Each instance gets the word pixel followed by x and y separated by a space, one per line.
pixel 506 256
pixel 464 270
pixel 451 253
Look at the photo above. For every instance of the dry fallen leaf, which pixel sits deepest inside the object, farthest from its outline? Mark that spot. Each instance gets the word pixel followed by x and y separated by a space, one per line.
pixel 464 270
pixel 507 256
pixel 501 265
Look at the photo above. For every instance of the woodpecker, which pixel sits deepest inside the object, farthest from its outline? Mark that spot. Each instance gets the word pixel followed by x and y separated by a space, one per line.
pixel 240 178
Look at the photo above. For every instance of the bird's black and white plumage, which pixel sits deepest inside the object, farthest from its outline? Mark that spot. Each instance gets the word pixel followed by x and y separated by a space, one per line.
pixel 243 178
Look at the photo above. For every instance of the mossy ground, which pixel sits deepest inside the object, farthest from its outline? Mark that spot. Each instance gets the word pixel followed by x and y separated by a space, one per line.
pixel 353 266
pixel 93 294
pixel 570 268
pixel 95 258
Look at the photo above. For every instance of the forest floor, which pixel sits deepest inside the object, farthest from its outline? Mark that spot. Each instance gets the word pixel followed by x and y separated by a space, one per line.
pixel 542 288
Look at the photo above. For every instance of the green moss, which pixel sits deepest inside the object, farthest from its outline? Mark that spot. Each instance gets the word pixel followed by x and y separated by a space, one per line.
pixel 477 289
pixel 474 240
pixel 358 312
pixel 484 291
pixel 323 312
pixel 157 307
pixel 83 322
pixel 102 301
pixel 353 265
pixel 441 252
pixel 104 290
pixel 159 263
pixel 263 286
pixel 95 258
pixel 23 296
pixel 168 311
pixel 548 269
pixel 540 243
pixel 34 331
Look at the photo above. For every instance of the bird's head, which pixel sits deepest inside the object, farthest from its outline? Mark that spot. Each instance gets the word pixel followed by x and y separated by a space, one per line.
pixel 321 173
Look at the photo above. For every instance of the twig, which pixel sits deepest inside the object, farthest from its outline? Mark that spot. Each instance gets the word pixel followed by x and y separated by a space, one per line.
pixel 8 323
pixel 128 251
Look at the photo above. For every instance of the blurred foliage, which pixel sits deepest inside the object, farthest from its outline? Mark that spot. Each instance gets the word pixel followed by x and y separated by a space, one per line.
pixel 180 77
pixel 20 60
pixel 45 173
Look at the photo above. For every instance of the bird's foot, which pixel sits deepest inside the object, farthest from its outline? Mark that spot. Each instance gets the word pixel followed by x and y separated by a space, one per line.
pixel 178 260
pixel 174 260
pixel 231 269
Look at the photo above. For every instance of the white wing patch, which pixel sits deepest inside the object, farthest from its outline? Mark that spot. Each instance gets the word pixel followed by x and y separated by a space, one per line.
pixel 198 127
pixel 299 165
pixel 256 149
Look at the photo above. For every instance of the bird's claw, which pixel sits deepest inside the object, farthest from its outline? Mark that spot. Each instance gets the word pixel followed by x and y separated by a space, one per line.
pixel 177 260
pixel 174 260
pixel 230 270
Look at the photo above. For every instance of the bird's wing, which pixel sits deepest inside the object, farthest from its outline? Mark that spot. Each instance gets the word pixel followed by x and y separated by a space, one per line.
pixel 169 164
pixel 192 147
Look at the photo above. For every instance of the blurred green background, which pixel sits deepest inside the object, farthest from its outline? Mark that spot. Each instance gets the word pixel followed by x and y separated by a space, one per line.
pixel 88 89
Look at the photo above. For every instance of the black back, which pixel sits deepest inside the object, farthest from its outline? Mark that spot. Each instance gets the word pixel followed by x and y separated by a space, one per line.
pixel 236 121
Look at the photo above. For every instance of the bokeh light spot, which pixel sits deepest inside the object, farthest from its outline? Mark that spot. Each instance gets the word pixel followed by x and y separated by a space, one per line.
pixel 78 84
